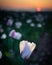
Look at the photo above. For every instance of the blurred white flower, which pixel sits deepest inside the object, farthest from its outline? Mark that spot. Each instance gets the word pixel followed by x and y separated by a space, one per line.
pixel 32 24
pixel 15 35
pixel 18 24
pixel 3 36
pixel 29 21
pixel 39 25
pixel 18 35
pixel 10 22
pixel 26 49
pixel 39 18
pixel 1 30
pixel 0 54
pixel 11 34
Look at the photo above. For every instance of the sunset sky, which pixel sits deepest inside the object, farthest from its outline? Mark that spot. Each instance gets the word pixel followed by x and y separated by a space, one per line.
pixel 25 4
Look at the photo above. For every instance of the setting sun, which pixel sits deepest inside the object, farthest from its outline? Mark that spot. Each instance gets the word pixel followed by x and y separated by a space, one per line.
pixel 38 9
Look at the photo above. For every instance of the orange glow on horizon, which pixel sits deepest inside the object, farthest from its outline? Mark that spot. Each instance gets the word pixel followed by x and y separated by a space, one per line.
pixel 25 4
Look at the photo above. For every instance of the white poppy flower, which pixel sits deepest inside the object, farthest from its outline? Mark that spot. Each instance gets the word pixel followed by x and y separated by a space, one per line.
pixel 32 24
pixel 9 22
pixel 1 30
pixel 29 21
pixel 26 49
pixel 18 35
pixel 18 24
pixel 15 35
pixel 0 54
pixel 39 25
pixel 3 36
pixel 11 34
